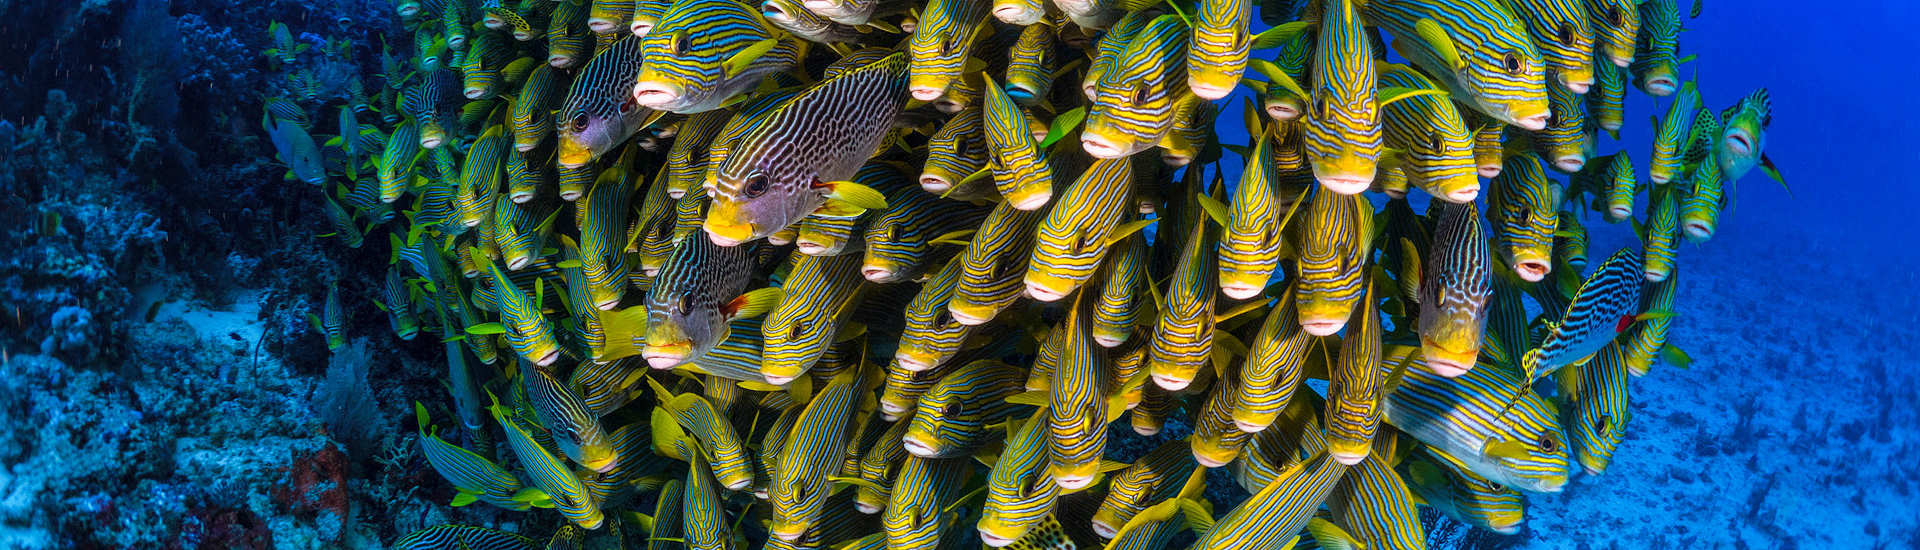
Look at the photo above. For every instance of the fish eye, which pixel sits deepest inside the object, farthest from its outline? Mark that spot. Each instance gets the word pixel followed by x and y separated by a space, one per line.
pixel 1434 141
pixel 682 41
pixel 942 318
pixel 580 122
pixel 1547 443
pixel 798 327
pixel 1320 105
pixel 1526 214
pixel 961 147
pixel 952 409
pixel 756 186
pixel 1600 424
pixel 1566 34
pixel 680 306
pixel 1615 16
pixel 1512 63
pixel 1140 93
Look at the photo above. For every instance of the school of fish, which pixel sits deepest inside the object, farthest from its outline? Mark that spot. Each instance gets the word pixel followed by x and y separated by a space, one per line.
pixel 856 274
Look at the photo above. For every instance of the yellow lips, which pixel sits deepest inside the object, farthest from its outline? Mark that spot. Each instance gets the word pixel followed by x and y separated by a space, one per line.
pixel 573 153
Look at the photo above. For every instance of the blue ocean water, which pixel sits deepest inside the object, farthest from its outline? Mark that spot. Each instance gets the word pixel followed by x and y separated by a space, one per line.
pixel 160 386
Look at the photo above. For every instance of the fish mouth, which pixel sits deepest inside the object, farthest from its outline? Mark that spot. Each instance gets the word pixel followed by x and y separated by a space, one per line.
pixel 1446 366
pixel 1209 90
pixel 560 61
pixel 1532 123
pixel 1570 163
pixel 1654 275
pixel 1660 86
pixel 1464 194
pixel 948 105
pixel 1207 461
pixel 876 273
pixel 1088 89
pixel 1698 231
pixel 1488 171
pixel 1240 290
pixel 1100 147
pixel 919 448
pixel 568 195
pixel 547 359
pixel 866 508
pixel 431 142
pixel 1576 86
pixel 666 356
pixel 1176 160
pixel 1032 201
pixel 785 534
pixel 1553 485
pixel 810 248
pixel 728 234
pixel 777 379
pixel 641 28
pixel 1346 457
pixel 1039 291
pixel 1591 469
pixel 1322 327
pixel 913 362
pixel 1072 482
pixel 514 264
pixel 1504 528
pixel 891 412
pixel 607 304
pixel 521 197
pixel 934 184
pixel 1170 383
pixel 964 317
pixel 1740 143
pixel 1283 111
pixel 654 94
pixel 1147 431
pixel 1345 184
pixel 1249 427
pixel 1532 271
pixel 1109 341
pixel 1102 529
pixel 574 154
pixel 1019 93
pixel 926 93
pixel 601 25
pixel 1621 57
pixel 1016 15
pixel 993 540
pixel 476 92
pixel 1618 213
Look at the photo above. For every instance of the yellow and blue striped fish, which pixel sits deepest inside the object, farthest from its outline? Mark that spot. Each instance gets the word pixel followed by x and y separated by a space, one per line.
pixel 703 520
pixel 793 16
pixel 1670 138
pixel 525 179
pixel 1031 62
pixel 646 16
pixel 1705 195
pixel 1276 362
pixel 921 508
pixel 1374 504
pixel 706 52
pixel 1079 229
pixel 1564 141
pixel 1077 406
pixel 731 466
pixel 1134 98
pixel 573 427
pixel 600 112
pixel 1250 244
pixel 940 43
pixel 1599 417
pixel 1564 34
pixel 480 175
pixel 1523 207
pixel 602 220
pixel 1217 51
pixel 1661 235
pixel 1649 337
pixel 480 66
pixel 1155 478
pixel 606 16
pixel 666 532
pixel 525 328
pixel 1333 260
pixel 1121 292
pixel 395 165
pixel 1183 333
pixel 813 451
pixel 463 536
pixel 519 234
pixel 1434 142
pixel 931 336
pixel 1354 391
pixel 1020 487
pixel 550 474
pixel 1656 64
pixel 1478 49
pixel 1020 170
pixel 956 151
pixel 1454 289
pixel 1278 510
pixel 832 233
pixel 1343 135
pixel 900 241
pixel 953 417
pixel 1216 440
pixel 532 113
pixel 1466 496
pixel 474 476
pixel 567 35
pixel 688 159
pixel 1742 142
pixel 818 295
pixel 763 185
pixel 1516 442
pixel 878 466
pixel 1107 53
pixel 992 268
pixel 1616 25
pixel 1606 101
pixel 396 298
pixel 1192 131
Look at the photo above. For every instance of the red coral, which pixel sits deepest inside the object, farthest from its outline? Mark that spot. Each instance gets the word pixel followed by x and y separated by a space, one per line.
pixel 316 482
